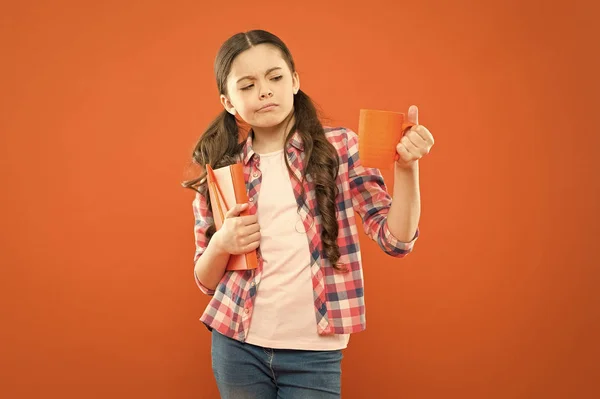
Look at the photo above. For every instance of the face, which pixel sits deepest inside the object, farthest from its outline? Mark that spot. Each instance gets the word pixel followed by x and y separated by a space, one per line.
pixel 261 87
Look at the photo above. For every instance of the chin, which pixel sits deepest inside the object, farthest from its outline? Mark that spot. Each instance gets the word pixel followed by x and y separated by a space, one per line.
pixel 265 125
pixel 271 121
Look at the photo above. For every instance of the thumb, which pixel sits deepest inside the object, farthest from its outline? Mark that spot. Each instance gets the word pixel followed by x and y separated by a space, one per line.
pixel 236 210
pixel 413 114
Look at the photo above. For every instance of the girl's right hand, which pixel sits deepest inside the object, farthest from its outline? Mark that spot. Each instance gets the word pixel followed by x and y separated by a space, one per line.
pixel 239 234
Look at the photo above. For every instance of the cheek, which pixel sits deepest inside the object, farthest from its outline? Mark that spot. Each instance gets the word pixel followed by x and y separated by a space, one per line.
pixel 289 101
pixel 240 105
pixel 243 110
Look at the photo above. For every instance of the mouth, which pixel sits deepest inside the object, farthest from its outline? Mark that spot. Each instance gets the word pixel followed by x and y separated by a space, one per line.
pixel 267 107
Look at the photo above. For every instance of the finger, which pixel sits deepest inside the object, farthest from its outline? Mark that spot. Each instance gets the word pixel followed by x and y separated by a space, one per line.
pixel 410 147
pixel 235 210
pixel 252 228
pixel 243 240
pixel 245 231
pixel 248 220
pixel 414 137
pixel 247 246
pixel 253 238
pixel 404 154
pixel 413 114
pixel 252 246
pixel 424 133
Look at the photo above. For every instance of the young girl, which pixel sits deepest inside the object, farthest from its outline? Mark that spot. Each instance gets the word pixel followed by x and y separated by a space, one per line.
pixel 278 331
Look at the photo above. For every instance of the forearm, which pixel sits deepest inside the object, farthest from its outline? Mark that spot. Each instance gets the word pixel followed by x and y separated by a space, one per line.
pixel 405 211
pixel 211 265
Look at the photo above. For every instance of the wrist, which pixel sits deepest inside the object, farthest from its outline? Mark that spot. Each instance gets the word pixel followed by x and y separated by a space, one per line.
pixel 404 167
pixel 217 242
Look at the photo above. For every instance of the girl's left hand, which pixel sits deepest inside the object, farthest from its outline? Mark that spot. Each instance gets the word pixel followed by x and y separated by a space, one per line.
pixel 416 142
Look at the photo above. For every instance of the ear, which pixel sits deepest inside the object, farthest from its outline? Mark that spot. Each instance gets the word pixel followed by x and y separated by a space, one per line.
pixel 227 104
pixel 295 82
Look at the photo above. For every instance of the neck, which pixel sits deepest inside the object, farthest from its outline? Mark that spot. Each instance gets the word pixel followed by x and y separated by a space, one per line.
pixel 270 139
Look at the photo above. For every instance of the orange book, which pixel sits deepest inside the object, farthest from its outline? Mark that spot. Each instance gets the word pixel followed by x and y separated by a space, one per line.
pixel 227 187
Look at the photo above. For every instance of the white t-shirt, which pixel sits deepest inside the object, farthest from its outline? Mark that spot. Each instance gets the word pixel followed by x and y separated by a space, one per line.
pixel 284 312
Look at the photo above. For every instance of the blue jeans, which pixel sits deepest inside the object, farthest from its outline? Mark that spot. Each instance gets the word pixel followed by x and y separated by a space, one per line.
pixel 245 371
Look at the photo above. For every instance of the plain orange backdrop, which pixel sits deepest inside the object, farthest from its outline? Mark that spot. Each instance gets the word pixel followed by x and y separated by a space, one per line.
pixel 102 102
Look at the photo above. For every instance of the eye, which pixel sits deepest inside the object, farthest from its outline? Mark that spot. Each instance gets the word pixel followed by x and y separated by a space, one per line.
pixel 247 87
pixel 277 78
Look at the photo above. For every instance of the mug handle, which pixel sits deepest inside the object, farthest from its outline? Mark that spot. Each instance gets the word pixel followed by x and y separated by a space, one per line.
pixel 405 128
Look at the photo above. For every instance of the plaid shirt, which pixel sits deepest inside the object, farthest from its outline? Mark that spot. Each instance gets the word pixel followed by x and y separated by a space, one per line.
pixel 339 303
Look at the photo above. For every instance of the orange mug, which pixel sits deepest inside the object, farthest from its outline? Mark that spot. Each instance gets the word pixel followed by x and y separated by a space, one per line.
pixel 379 132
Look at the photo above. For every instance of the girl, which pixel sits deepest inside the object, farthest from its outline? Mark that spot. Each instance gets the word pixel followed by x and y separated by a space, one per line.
pixel 278 331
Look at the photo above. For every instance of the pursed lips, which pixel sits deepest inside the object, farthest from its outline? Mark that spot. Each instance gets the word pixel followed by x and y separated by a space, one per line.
pixel 267 107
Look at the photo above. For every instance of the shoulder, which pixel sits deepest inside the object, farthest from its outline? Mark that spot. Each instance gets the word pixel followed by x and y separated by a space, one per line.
pixel 345 142
pixel 340 137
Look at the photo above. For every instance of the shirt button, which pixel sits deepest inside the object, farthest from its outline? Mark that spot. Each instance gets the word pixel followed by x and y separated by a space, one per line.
pixel 255 174
pixel 251 199
pixel 253 284
pixel 246 310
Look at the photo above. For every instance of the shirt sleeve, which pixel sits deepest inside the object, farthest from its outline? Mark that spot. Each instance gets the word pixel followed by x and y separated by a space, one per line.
pixel 371 200
pixel 203 219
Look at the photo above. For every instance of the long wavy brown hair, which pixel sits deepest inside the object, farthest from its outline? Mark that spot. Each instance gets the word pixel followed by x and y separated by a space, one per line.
pixel 220 145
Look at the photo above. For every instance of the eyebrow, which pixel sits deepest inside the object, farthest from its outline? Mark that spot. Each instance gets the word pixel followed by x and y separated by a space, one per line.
pixel 251 77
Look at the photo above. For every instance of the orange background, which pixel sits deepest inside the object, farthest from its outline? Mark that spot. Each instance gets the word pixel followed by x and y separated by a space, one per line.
pixel 102 102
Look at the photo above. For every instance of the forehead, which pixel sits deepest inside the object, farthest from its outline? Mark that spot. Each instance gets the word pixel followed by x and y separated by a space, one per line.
pixel 256 61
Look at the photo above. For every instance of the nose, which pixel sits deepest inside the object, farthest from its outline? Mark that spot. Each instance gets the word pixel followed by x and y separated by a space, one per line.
pixel 266 93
